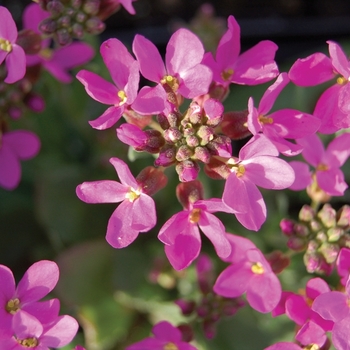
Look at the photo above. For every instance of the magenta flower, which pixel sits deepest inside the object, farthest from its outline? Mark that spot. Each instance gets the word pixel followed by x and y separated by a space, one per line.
pixel 298 307
pixel 124 70
pixel 249 273
pixel 334 306
pixel 326 163
pixel 181 236
pixel 255 66
pixel 257 165
pixel 310 336
pixel 36 283
pixel 343 265
pixel 10 52
pixel 28 332
pixel 135 214
pixel 15 146
pixel 333 107
pixel 283 124
pixel 166 336
pixel 183 72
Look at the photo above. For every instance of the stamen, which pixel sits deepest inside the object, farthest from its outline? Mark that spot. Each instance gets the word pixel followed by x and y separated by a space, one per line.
pixel 341 80
pixel 122 96
pixel 227 74
pixel 29 342
pixel 46 53
pixel 171 81
pixel 12 306
pixel 265 120
pixel 132 195
pixel 195 215
pixel 5 45
pixel 170 346
pixel 257 268
pixel 240 170
pixel 322 167
pixel 312 347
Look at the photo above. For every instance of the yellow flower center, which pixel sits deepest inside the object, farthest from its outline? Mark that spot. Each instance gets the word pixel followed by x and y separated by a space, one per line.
pixel 171 81
pixel 5 45
pixel 312 347
pixel 170 346
pixel 240 170
pixel 46 53
pixel 122 96
pixel 322 167
pixel 341 80
pixel 132 195
pixel 227 74
pixel 195 215
pixel 257 268
pixel 29 342
pixel 12 306
pixel 265 120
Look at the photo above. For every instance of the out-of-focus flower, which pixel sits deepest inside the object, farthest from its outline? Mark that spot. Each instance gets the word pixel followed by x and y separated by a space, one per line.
pixel 10 52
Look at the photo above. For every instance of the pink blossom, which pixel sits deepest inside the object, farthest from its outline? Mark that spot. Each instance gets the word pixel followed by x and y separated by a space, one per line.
pixel 181 237
pixel 124 70
pixel 28 332
pixel 257 165
pixel 254 66
pixel 135 214
pixel 334 306
pixel 166 336
pixel 127 4
pixel 35 284
pixel 15 146
pixel 343 265
pixel 282 124
pixel 333 107
pixel 10 52
pixel 59 61
pixel 326 163
pixel 310 336
pixel 249 273
pixel 182 73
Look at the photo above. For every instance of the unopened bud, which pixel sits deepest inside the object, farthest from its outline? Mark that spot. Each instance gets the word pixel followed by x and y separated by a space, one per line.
pixel 48 26
pixel 187 170
pixel 172 135
pixel 55 8
pixel 64 22
pixel 189 192
pixel 202 154
pixel 343 217
pixel 192 141
pixel 306 213
pixel 107 9
pixel 29 41
pixel 91 7
pixel 206 133
pixel 329 251
pixel 63 37
pixel 166 156
pixel 78 30
pixel 76 4
pixel 287 227
pixel 334 234
pixel 217 169
pixel 328 216
pixel 183 153
pixel 234 125
pixel 94 26
pixel 151 180
pixel 297 244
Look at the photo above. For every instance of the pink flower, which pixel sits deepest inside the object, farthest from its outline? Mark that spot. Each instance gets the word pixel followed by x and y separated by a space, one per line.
pixel 333 107
pixel 257 165
pixel 255 66
pixel 28 332
pixel 181 237
pixel 15 146
pixel 310 336
pixel 334 306
pixel 36 283
pixel 58 62
pixel 166 336
pixel 182 73
pixel 249 273
pixel 283 124
pixel 343 265
pixel 327 163
pixel 124 70
pixel 10 52
pixel 135 214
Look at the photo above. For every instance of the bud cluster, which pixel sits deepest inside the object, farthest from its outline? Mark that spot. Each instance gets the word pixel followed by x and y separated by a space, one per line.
pixel 190 138
pixel 321 234
pixel 71 19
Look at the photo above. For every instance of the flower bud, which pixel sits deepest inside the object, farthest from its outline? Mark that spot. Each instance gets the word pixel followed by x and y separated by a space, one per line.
pixel 35 102
pixel 192 141
pixel 187 333
pixel 166 156
pixel 94 26
pixel 187 170
pixel 297 244
pixel 107 9
pixel 187 307
pixel 154 141
pixel 91 7
pixel 287 227
pixel 64 22
pixel 278 261
pixel 183 153
pixel 213 111
pixel 220 146
pixel 343 217
pixel 55 8
pixel 202 154
pixel 329 251
pixel 172 135
pixel 217 169
pixel 29 41
pixel 206 133
pixel 151 180
pixel 63 37
pixel 328 216
pixel 334 234
pixel 301 230
pixel 78 30
pixel 234 125
pixel 189 192
pixel 306 213
pixel 48 26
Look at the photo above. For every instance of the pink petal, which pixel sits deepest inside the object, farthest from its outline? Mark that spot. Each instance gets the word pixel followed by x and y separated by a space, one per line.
pixel 127 4
pixel 33 14
pixel 213 228
pixel 45 311
pixel 8 28
pixel 315 287
pixel 98 88
pixel 269 172
pixel 15 64
pixel 119 229
pixel 230 45
pixel 239 247
pixel 297 309
pixel 339 60
pixel 341 334
pixel 332 181
pixel 312 70
pixel 23 143
pixel 184 51
pixel 104 191
pixel 119 63
pixel 285 147
pixel 331 306
pixel 258 145
pixel 124 173
pixel 343 265
pixel 302 175
pixel 143 214
pixel 343 101
pixel 7 284
pixel 150 100
pixel 253 122
pixel 176 224
pixel 284 346
pixel 234 280
pixel 25 325
pixel 338 150
pixel 195 81
pixel 60 333
pixel 151 63
pixel 38 281
pixel 108 118
pixel 313 151
pixel 311 333
pixel 264 292
pixel 271 94
pixel 167 332
pixel 185 249
pixel 10 168
pixel 256 65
